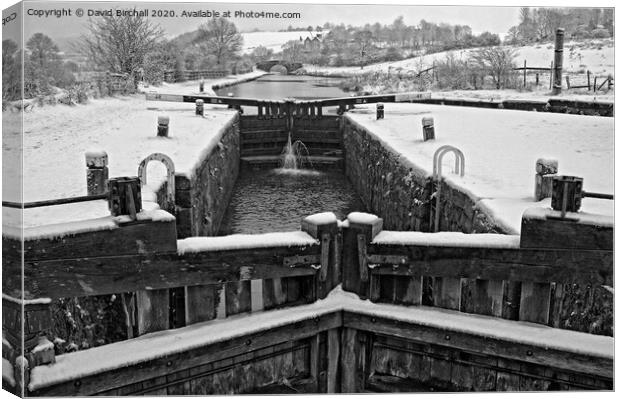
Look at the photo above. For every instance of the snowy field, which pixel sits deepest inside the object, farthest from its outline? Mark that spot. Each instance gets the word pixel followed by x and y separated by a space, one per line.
pixel 501 149
pixel 577 57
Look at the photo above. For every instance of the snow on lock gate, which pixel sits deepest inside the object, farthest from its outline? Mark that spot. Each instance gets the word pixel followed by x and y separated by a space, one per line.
pixel 301 268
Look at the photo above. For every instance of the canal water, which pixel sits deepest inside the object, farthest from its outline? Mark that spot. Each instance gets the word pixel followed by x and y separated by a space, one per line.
pixel 276 200
pixel 271 200
pixel 279 87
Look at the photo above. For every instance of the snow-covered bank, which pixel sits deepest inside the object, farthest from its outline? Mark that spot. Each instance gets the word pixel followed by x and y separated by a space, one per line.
pixel 501 148
pixel 54 143
pixel 191 87
pixel 597 56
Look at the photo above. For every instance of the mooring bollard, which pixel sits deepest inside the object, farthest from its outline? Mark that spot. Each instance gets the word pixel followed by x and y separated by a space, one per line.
pixel 201 86
pixel 428 128
pixel 200 107
pixel 380 111
pixel 96 172
pixel 324 227
pixel 125 196
pixel 163 123
pixel 567 193
pixel 546 170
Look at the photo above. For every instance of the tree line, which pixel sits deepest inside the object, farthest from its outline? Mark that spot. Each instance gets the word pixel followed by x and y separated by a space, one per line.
pixel 136 47
pixel 132 45
pixel 341 45
pixel 540 24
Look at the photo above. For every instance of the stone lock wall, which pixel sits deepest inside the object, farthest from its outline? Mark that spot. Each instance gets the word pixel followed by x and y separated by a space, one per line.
pixel 202 199
pixel 400 192
pixel 389 185
pixel 458 212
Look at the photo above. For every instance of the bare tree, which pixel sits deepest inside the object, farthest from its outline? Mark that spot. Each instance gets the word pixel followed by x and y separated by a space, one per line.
pixel 221 38
pixel 292 51
pixel 364 40
pixel 120 44
pixel 497 62
pixel 261 53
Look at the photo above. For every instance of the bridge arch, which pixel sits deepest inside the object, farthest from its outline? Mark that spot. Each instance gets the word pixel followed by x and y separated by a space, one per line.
pixel 267 65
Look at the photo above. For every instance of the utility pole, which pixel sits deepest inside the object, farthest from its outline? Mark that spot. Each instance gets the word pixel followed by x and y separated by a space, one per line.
pixel 559 52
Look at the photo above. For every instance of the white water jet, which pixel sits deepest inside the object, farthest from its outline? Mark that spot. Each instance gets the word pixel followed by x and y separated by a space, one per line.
pixel 295 155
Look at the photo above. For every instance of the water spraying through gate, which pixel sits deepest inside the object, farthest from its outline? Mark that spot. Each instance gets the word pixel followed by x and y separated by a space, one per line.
pixel 295 155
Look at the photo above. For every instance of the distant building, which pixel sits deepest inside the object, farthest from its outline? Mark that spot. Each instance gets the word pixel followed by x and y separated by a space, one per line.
pixel 311 44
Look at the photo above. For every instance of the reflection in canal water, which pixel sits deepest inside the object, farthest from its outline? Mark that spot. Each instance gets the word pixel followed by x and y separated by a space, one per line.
pixel 279 87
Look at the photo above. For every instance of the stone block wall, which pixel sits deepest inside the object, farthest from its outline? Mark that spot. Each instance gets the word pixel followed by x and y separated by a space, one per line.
pixel 389 185
pixel 400 192
pixel 458 212
pixel 202 199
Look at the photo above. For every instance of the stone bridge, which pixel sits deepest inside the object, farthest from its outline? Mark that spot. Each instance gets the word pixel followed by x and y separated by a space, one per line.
pixel 267 65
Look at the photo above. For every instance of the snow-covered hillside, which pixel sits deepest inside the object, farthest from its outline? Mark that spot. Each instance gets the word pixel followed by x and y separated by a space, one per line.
pixel 595 55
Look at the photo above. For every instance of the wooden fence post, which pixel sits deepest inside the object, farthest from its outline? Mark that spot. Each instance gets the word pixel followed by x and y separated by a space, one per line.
pixel 524 73
pixel 594 87
pixel 361 229
pixel 588 75
pixel 324 227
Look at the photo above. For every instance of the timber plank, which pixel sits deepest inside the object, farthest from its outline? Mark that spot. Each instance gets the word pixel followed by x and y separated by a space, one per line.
pixel 274 292
pixel 180 388
pixel 462 376
pixel 153 310
pixel 408 290
pixel 114 274
pixel 333 360
pixel 440 366
pixel 161 367
pixel 238 297
pixel 447 292
pixel 540 232
pixel 535 301
pixel 141 237
pixel 481 344
pixel 485 297
pixel 314 365
pixel 507 381
pixel 200 303
pixel 349 361
pixel 293 289
pixel 537 265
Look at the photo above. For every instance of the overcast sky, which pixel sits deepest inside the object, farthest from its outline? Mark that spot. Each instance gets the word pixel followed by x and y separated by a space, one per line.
pixel 484 17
